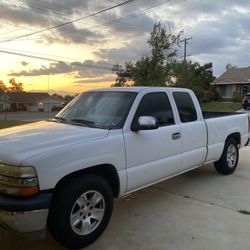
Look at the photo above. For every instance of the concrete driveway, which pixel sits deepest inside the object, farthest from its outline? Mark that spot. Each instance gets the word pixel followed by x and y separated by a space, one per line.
pixel 197 210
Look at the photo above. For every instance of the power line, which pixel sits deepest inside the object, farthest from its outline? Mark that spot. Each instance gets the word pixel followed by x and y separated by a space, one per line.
pixel 69 22
pixel 115 22
pixel 132 15
pixel 57 61
pixel 50 56
pixel 17 26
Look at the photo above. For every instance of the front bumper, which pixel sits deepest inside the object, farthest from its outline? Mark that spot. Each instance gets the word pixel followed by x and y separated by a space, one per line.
pixel 24 222
pixel 24 215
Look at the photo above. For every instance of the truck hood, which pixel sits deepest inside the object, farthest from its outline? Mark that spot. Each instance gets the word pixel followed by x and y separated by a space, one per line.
pixel 21 142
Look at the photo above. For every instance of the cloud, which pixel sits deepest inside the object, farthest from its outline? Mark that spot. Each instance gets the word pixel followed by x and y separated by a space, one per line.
pixel 124 21
pixel 131 51
pixel 20 15
pixel 87 69
pixel 23 63
pixel 220 30
pixel 70 33
pixel 53 68
pixel 105 78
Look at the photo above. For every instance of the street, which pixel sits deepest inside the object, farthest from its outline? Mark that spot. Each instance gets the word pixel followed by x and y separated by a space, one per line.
pixel 27 116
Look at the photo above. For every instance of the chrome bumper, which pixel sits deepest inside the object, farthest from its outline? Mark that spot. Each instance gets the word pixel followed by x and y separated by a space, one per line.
pixel 24 222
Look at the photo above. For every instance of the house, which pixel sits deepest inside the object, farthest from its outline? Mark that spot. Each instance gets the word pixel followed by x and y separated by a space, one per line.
pixel 234 83
pixel 50 103
pixel 34 101
pixel 4 102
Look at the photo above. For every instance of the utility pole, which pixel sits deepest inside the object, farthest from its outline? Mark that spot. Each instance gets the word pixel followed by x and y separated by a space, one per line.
pixel 48 99
pixel 185 47
pixel 5 105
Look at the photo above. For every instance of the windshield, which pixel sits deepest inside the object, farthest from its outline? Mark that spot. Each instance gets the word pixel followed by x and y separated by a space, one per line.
pixel 100 109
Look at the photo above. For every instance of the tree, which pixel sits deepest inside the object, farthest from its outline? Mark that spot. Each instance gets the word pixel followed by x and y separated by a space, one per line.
pixel 124 76
pixel 163 44
pixel 15 87
pixel 69 98
pixel 161 68
pixel 193 76
pixel 3 87
pixel 151 70
pixel 58 96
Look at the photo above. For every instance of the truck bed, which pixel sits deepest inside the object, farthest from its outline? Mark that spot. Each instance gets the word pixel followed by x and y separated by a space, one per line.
pixel 211 114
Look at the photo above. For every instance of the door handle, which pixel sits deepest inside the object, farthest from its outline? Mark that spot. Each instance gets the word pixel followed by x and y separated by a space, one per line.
pixel 176 136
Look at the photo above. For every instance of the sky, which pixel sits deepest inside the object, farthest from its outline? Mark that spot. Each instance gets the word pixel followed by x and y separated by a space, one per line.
pixel 79 55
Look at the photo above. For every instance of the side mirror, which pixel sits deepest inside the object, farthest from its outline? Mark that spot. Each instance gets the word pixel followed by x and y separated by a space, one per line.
pixel 145 123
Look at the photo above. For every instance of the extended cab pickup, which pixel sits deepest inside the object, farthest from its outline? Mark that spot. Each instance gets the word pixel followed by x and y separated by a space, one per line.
pixel 65 172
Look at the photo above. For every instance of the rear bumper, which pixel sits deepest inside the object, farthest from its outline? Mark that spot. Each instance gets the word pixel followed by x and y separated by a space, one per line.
pixel 24 215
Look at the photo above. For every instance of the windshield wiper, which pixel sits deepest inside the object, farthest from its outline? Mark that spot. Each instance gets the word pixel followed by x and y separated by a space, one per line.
pixel 60 119
pixel 82 121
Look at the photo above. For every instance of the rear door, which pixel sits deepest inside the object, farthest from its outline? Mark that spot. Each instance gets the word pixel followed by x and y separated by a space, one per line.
pixel 153 155
pixel 193 130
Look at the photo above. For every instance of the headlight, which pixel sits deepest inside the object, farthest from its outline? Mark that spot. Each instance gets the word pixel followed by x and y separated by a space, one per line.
pixel 18 181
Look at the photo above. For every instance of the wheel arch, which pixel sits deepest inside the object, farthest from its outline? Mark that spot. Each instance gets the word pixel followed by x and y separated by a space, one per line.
pixel 236 136
pixel 106 171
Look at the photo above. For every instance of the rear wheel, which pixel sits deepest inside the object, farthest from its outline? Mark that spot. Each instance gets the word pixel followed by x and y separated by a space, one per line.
pixel 80 211
pixel 229 158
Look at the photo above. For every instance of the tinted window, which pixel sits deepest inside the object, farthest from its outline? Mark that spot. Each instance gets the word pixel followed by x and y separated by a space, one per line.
pixel 185 105
pixel 156 105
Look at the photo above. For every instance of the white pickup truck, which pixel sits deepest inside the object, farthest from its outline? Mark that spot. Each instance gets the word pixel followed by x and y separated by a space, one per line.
pixel 65 172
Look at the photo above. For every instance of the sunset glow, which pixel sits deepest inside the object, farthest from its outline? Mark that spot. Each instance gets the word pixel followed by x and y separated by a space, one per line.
pixel 71 40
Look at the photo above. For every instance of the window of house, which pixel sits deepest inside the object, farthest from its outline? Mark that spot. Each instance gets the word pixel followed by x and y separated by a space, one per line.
pixel 185 106
pixel 156 105
pixel 227 91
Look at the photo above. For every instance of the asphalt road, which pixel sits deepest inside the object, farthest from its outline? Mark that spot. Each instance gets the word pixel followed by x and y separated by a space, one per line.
pixel 27 116
pixel 197 210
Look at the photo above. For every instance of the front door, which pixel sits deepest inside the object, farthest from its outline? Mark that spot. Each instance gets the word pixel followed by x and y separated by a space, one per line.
pixel 153 155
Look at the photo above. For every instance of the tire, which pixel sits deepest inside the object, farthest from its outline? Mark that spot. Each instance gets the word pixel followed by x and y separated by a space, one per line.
pixel 80 211
pixel 229 159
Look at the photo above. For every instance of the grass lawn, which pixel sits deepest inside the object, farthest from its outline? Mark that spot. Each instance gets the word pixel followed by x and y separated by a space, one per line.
pixel 7 124
pixel 221 106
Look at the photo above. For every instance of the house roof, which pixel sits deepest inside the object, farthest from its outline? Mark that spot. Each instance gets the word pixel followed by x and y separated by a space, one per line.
pixel 234 76
pixel 55 98
pixel 26 97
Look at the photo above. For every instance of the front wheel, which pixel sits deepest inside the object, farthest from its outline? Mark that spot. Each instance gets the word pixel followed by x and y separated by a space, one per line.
pixel 80 211
pixel 229 158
